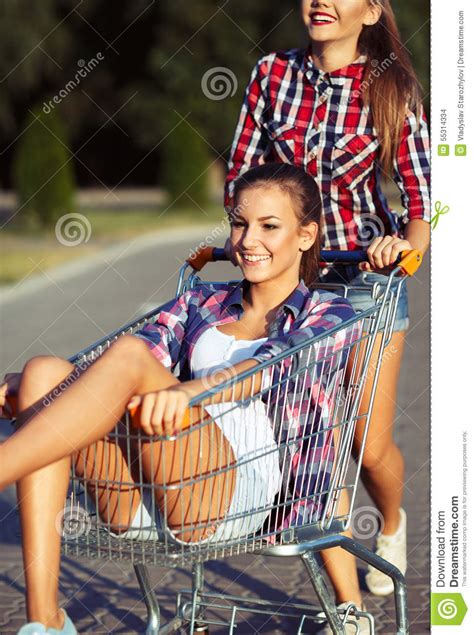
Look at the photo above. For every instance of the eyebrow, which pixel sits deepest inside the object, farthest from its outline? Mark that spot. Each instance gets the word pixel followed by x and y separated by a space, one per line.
pixel 260 218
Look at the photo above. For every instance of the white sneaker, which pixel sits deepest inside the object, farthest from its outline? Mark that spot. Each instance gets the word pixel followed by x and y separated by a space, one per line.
pixel 394 549
pixel 354 625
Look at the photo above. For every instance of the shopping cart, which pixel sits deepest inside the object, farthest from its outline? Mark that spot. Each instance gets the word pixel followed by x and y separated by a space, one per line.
pixel 308 456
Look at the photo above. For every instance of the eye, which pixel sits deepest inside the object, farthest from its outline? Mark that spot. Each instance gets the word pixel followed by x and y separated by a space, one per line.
pixel 236 223
pixel 270 226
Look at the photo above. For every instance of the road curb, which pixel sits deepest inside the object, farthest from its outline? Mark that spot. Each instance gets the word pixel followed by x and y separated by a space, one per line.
pixel 115 252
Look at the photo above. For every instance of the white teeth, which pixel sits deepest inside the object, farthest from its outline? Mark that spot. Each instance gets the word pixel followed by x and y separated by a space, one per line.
pixel 322 18
pixel 254 258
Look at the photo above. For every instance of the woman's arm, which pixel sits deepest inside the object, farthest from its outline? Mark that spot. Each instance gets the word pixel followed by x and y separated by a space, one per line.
pixel 418 234
pixel 8 395
pixel 250 139
pixel 166 333
pixel 384 252
pixel 237 392
pixel 412 175
pixel 166 409
pixel 412 168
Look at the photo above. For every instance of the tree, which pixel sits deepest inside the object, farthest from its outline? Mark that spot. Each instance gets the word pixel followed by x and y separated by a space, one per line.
pixel 43 171
pixel 185 165
pixel 27 63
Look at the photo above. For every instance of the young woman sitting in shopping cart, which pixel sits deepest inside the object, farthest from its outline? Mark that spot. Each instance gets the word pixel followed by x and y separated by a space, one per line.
pixel 65 410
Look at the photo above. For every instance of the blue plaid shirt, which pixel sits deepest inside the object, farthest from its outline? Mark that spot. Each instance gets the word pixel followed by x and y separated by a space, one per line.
pixel 300 404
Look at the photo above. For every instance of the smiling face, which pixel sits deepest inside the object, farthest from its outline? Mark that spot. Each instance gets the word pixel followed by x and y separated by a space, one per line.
pixel 338 20
pixel 266 235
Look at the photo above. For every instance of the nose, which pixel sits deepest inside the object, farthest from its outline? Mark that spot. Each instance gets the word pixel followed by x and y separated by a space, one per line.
pixel 250 238
pixel 319 3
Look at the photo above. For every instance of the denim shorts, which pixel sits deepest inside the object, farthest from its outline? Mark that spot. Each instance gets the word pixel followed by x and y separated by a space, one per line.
pixel 362 300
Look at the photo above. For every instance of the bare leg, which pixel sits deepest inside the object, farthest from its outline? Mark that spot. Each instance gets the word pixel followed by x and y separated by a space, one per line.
pixel 110 474
pixel 174 465
pixel 53 424
pixel 41 496
pixel 382 466
pixel 84 413
pixel 382 463
pixel 42 493
pixel 341 566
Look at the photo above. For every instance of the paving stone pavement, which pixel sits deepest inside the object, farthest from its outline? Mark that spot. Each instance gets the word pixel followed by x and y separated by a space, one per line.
pixel 103 597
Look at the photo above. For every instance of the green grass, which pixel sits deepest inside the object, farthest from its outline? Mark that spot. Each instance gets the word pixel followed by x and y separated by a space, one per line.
pixel 33 249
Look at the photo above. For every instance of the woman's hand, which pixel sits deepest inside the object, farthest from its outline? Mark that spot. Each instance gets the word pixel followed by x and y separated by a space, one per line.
pixel 8 395
pixel 161 412
pixel 384 252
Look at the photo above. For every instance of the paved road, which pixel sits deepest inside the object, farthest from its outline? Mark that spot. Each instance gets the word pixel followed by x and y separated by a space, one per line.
pixel 63 312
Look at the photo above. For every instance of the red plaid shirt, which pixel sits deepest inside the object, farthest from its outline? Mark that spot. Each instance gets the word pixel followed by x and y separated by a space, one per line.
pixel 293 112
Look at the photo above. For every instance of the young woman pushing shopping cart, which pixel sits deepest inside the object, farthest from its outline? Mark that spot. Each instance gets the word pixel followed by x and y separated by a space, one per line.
pixel 209 467
pixel 347 108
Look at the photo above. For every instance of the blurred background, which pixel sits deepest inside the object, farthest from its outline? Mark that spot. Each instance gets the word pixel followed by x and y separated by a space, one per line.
pixel 122 106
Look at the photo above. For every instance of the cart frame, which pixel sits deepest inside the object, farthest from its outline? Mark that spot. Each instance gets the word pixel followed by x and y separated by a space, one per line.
pixel 303 541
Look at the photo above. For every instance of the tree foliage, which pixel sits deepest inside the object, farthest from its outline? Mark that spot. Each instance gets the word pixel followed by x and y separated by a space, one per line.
pixel 155 57
pixel 43 172
pixel 184 172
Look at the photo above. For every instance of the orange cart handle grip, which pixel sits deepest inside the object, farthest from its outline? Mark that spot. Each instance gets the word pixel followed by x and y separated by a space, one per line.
pixel 410 261
pixel 202 256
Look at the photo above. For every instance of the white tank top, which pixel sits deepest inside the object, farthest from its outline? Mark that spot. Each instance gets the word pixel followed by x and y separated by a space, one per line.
pixel 215 350
pixel 248 428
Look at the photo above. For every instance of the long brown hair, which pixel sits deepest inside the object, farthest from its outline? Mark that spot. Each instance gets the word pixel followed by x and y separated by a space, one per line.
pixel 306 200
pixel 392 89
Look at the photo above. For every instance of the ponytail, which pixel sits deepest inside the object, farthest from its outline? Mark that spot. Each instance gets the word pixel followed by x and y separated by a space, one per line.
pixel 391 90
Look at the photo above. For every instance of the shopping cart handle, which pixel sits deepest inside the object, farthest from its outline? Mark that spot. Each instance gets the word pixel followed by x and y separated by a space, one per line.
pixel 346 257
pixel 204 255
pixel 408 261
pixel 219 254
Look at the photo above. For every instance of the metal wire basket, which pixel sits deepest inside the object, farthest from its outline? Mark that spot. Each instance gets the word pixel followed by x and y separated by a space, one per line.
pixel 278 487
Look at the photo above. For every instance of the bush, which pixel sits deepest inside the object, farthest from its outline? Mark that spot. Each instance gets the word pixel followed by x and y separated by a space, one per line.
pixel 42 170
pixel 184 165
